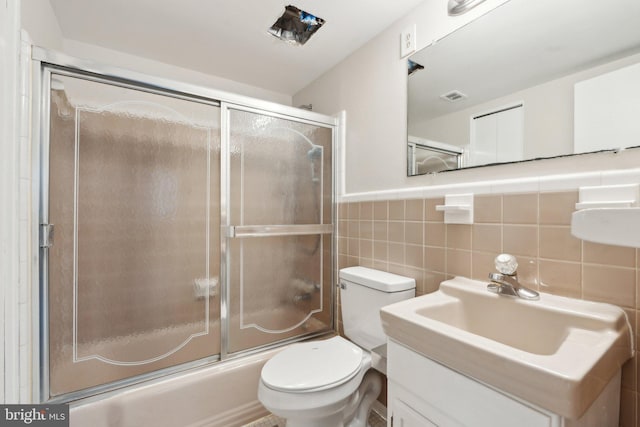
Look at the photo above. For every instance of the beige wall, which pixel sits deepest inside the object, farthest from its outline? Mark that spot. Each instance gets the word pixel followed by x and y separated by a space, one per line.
pixel 409 237
pixel 370 85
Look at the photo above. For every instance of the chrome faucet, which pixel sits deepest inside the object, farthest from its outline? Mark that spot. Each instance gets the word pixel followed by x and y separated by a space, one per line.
pixel 506 281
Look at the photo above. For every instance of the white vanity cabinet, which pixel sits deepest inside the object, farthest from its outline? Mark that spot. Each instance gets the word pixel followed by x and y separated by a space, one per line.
pixel 424 393
pixel 404 416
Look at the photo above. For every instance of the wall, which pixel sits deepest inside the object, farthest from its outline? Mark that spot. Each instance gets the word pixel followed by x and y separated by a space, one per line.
pixel 388 221
pixel 371 86
pixel 409 237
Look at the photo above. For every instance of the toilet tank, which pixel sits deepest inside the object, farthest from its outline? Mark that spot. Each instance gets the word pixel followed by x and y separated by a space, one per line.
pixel 363 291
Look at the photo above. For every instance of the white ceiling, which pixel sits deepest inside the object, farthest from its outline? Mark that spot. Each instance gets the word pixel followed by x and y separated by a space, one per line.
pixel 228 38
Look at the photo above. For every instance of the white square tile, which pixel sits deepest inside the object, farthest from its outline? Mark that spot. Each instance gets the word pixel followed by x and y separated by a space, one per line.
pixel 25 81
pixel 518 185
pixel 628 176
pixel 482 187
pixel 23 245
pixel 25 158
pixel 24 115
pixel 24 109
pixel 24 283
pixel 569 181
pixel 24 199
pixel 25 324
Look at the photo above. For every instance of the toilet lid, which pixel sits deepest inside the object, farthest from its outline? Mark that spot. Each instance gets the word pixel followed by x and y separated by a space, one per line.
pixel 313 365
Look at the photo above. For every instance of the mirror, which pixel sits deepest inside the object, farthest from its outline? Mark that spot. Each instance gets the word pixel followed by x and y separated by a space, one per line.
pixel 528 80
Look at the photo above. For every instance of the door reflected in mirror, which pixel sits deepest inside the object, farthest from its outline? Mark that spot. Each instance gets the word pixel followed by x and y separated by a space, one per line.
pixel 528 80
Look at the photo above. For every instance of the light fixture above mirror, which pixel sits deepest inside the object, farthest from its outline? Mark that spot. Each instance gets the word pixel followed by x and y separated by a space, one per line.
pixel 458 7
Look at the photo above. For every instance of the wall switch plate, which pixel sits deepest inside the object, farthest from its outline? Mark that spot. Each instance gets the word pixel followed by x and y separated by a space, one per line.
pixel 408 41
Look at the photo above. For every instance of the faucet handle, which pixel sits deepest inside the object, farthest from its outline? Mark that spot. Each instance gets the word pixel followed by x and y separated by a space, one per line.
pixel 506 264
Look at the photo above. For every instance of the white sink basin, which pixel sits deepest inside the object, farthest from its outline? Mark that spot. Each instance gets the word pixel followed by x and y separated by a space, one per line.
pixel 556 352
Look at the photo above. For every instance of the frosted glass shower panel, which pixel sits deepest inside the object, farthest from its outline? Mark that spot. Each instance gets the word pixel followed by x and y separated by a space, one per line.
pixel 276 289
pixel 280 170
pixel 134 197
pixel 281 229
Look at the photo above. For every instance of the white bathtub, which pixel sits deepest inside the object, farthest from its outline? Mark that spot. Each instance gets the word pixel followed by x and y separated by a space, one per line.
pixel 223 395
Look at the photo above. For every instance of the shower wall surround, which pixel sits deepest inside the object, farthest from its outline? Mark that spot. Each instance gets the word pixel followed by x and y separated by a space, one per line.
pixel 409 237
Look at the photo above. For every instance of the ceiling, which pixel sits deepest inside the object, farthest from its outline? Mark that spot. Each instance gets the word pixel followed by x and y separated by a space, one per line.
pixel 228 38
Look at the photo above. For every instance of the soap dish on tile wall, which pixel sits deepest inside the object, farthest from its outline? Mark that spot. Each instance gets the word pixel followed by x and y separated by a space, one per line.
pixel 608 215
pixel 457 208
pixel 609 196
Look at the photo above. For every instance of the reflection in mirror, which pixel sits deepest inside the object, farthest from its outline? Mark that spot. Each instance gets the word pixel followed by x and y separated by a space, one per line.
pixel 528 80
pixel 427 156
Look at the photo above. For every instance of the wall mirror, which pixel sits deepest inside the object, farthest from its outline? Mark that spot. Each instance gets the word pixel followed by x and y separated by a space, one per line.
pixel 528 80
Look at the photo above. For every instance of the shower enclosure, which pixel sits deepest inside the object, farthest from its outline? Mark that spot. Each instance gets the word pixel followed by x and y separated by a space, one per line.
pixel 177 228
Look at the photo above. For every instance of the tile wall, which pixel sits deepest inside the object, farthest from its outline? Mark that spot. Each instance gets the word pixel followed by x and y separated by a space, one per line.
pixel 409 237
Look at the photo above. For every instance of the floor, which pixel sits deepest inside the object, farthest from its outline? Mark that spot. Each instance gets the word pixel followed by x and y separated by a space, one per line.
pixel 375 420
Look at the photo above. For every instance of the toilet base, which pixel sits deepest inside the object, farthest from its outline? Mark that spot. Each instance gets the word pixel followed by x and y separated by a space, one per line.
pixel 355 412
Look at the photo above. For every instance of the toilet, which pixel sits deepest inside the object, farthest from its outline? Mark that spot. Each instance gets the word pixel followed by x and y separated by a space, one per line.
pixel 330 383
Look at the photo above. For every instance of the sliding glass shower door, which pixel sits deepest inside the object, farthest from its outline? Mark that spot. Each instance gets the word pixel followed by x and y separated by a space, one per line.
pixel 280 228
pixel 134 198
pixel 176 231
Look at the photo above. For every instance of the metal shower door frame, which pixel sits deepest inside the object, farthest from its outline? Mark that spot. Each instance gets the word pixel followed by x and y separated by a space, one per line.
pixel 230 231
pixel 44 62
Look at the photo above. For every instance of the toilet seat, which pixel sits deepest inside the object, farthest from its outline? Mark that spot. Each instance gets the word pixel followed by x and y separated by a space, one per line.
pixel 313 366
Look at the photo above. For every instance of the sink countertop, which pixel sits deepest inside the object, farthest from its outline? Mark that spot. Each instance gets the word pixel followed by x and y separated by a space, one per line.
pixel 558 353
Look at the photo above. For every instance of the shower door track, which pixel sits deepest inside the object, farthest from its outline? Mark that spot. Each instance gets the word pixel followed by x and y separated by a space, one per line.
pixel 42 56
pixel 44 62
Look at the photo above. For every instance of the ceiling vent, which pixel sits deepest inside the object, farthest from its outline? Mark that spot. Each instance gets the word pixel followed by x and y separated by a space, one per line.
pixel 295 26
pixel 453 96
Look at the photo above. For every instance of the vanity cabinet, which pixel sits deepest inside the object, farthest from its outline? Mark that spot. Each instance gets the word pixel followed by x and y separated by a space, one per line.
pixel 405 416
pixel 424 393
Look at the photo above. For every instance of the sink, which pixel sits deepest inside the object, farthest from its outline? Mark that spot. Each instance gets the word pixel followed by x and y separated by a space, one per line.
pixel 558 353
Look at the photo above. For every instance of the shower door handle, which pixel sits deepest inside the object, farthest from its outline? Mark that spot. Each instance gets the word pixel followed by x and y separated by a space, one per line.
pixel 239 231
pixel 46 235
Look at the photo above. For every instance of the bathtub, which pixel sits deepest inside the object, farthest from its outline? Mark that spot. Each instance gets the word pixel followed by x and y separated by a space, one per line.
pixel 222 395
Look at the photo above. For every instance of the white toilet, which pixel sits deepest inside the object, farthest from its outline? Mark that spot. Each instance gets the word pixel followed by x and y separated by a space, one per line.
pixel 329 383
